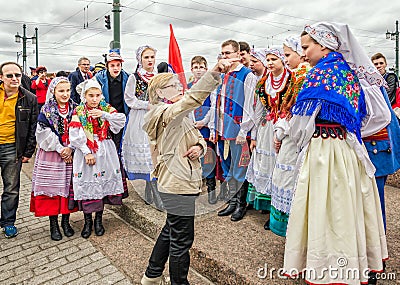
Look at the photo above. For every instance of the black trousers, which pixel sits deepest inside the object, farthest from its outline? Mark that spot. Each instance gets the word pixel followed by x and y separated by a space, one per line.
pixel 175 239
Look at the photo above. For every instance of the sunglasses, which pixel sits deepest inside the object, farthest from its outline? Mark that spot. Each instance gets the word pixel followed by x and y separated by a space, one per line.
pixel 17 75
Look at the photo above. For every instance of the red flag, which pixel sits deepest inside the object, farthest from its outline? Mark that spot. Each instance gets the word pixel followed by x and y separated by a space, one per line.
pixel 175 58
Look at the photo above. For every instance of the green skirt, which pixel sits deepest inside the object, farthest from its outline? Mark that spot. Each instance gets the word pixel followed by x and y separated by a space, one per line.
pixel 262 201
pixel 251 194
pixel 278 222
pixel 258 200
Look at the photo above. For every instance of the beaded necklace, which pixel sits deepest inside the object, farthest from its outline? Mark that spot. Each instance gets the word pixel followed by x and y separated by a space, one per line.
pixel 63 110
pixel 273 101
pixel 276 84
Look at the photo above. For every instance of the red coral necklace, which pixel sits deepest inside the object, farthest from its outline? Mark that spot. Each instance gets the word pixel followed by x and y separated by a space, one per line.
pixel 276 84
pixel 63 110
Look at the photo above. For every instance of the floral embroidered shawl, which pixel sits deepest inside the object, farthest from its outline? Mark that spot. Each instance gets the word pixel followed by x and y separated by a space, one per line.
pixel 80 118
pixel 50 117
pixel 333 85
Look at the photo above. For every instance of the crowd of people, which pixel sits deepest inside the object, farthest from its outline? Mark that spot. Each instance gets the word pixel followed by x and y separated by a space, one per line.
pixel 303 132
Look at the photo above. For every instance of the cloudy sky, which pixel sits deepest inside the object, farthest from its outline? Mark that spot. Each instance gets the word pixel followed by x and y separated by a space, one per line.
pixel 199 26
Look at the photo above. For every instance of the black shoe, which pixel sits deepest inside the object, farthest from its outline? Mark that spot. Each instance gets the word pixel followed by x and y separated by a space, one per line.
pixel 98 224
pixel 249 207
pixel 266 225
pixel 87 227
pixel 55 233
pixel 238 214
pixel 65 225
pixel 241 203
pixel 228 210
pixel 211 184
pixel 372 278
pixel 223 190
pixel 231 195
pixel 212 199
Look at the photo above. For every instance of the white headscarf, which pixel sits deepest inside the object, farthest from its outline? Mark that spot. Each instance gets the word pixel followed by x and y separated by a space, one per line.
pixel 145 75
pixel 54 82
pixel 338 37
pixel 139 52
pixel 277 51
pixel 82 87
pixel 260 54
pixel 294 43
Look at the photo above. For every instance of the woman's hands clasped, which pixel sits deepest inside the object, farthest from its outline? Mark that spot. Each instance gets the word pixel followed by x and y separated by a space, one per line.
pixel 90 159
pixel 66 154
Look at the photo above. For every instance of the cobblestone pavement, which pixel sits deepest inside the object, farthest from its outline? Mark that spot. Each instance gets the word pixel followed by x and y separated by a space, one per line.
pixel 120 256
pixel 33 258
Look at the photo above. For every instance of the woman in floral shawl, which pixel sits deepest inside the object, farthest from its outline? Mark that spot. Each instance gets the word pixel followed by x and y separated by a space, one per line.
pixel 96 170
pixel 335 232
pixel 51 180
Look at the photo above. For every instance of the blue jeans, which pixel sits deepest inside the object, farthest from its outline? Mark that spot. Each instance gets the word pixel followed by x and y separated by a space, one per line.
pixel 10 171
pixel 230 166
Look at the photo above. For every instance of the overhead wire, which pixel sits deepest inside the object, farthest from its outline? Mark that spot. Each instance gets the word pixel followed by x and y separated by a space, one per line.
pixel 269 22
pixel 194 22
pixel 260 38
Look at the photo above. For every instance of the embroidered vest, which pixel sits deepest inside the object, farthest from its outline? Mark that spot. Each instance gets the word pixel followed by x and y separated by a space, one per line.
pixel 141 88
pixel 234 101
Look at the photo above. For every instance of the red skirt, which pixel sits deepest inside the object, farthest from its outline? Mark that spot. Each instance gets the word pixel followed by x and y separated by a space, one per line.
pixel 43 205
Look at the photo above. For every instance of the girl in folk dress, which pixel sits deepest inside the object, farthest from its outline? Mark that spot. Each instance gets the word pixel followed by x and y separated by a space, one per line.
pixel 269 90
pixel 136 154
pixel 97 176
pixel 52 172
pixel 336 221
pixel 283 178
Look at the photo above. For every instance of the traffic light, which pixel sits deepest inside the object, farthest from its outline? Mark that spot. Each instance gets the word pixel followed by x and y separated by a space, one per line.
pixel 108 22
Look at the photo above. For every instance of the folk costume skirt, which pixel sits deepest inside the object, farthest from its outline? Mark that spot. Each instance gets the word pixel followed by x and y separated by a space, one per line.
pixel 283 182
pixel 136 154
pixel 98 184
pixel 51 182
pixel 335 220
pixel 261 167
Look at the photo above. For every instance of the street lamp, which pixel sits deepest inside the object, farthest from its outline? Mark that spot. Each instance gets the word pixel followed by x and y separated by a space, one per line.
pixel 24 38
pixel 395 36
